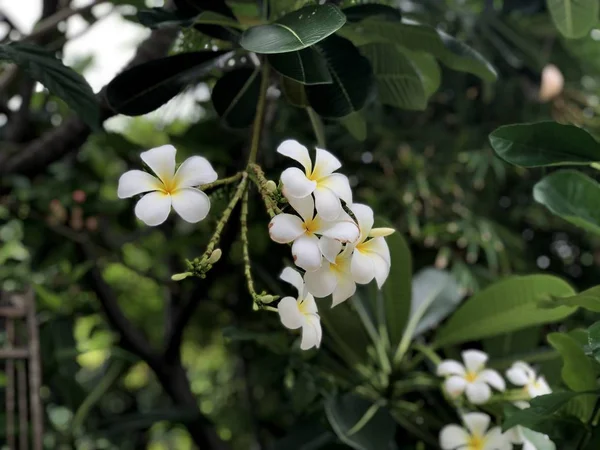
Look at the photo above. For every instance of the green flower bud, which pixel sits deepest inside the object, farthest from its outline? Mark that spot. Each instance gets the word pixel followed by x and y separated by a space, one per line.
pixel 181 276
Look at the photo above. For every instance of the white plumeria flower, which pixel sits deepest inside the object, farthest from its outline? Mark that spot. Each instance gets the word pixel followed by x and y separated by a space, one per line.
pixel 303 231
pixel 335 276
pixel 516 436
pixel 168 188
pixel 474 436
pixel 522 374
pixel 371 256
pixel 327 187
pixel 472 378
pixel 300 312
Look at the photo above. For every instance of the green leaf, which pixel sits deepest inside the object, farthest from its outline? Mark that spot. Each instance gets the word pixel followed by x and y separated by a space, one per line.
pixel 573 196
pixel 359 423
pixel 359 12
pixel 59 79
pixel 235 97
pixel 544 144
pixel 212 18
pixel 163 18
pixel 588 299
pixel 356 125
pixel 350 88
pixel 294 92
pixel 294 31
pixel 505 306
pixel 148 86
pixel 427 68
pixel 573 18
pixel 305 66
pixel 593 341
pixel 398 82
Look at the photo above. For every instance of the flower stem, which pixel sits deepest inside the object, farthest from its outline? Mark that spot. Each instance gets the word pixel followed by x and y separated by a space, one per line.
pixel 244 233
pixel 260 112
pixel 429 353
pixel 222 182
pixel 260 181
pixel 317 125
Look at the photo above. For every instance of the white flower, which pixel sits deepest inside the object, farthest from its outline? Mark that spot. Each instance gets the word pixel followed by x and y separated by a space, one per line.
pixel 472 377
pixel 371 256
pixel 301 312
pixel 516 436
pixel 474 436
pixel 522 374
pixel 168 188
pixel 335 276
pixel 303 231
pixel 328 187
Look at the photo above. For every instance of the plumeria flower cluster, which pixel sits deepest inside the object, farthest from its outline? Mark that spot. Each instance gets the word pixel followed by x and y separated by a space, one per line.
pixel 333 240
pixel 475 381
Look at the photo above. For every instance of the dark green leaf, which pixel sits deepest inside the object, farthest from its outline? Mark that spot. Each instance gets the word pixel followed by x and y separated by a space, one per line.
pixel 148 86
pixel 305 66
pixel 593 339
pixel 356 125
pixel 544 144
pixel 59 79
pixel 294 31
pixel 195 7
pixel 427 68
pixel 294 92
pixel 350 88
pixel 344 413
pixel 359 12
pixel 573 196
pixel 305 436
pixel 163 18
pixel 574 18
pixel 216 18
pixel 235 97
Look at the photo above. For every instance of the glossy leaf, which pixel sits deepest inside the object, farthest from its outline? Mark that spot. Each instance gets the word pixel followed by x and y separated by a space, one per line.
pixel 235 97
pixel 350 88
pixel 60 80
pixel 305 66
pixel 146 87
pixel 573 196
pixel 544 144
pixel 357 13
pixel 505 306
pixel 573 18
pixel 376 427
pixel 294 31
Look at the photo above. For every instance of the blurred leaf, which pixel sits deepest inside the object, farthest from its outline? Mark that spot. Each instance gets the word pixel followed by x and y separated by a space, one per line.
pixel 356 125
pixel 359 423
pixel 294 92
pixel 163 18
pixel 294 31
pixel 544 144
pixel 235 96
pixel 427 68
pixel 573 196
pixel 573 18
pixel 588 299
pixel 539 441
pixel 306 66
pixel 310 435
pixel 357 13
pixel 62 81
pixel 593 341
pixel 505 306
pixel 146 87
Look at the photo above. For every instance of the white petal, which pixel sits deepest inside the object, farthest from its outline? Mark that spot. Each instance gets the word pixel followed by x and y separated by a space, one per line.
pixel 381 232
pixel 306 253
pixel 455 385
pixel 311 333
pixel 325 164
pixel 343 231
pixel 153 208
pixel 496 440
pixel 382 270
pixel 298 152
pixel 378 246
pixel 492 378
pixel 474 360
pixel 322 282
pixel 330 248
pixel 477 423
pixel 340 185
pixel 450 367
pixel 364 216
pixel 478 393
pixel 304 206
pixel 195 171
pixel 293 277
pixel 517 376
pixel 135 182
pixel 453 437
pixel 362 267
pixel 295 183
pixel 344 290
pixel 327 203
pixel 308 305
pixel 527 445
pixel 191 204
pixel 162 161
pixel 284 228
pixel 540 387
pixel 290 315
pixel 514 435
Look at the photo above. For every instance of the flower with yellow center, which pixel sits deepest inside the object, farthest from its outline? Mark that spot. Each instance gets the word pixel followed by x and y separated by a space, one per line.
pixel 310 234
pixel 335 276
pixel 321 181
pixel 472 378
pixel 474 435
pixel 168 188
pixel 522 374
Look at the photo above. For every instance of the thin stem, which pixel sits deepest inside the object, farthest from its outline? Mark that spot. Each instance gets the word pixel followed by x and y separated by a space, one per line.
pixel 222 182
pixel 244 233
pixel 317 125
pixel 260 181
pixel 429 353
pixel 260 112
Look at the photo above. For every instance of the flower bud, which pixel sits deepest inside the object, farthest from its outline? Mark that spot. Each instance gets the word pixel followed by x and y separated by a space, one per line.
pixel 181 276
pixel 552 84
pixel 266 299
pixel 381 232
pixel 215 256
pixel 270 186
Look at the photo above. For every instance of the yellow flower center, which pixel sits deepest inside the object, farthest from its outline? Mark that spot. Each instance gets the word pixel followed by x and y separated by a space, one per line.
pixel 475 443
pixel 168 186
pixel 310 226
pixel 302 307
pixel 471 377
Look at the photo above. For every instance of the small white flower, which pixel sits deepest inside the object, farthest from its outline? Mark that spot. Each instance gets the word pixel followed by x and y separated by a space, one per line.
pixel 327 187
pixel 300 312
pixel 303 231
pixel 334 277
pixel 516 436
pixel 474 436
pixel 522 374
pixel 472 378
pixel 168 188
